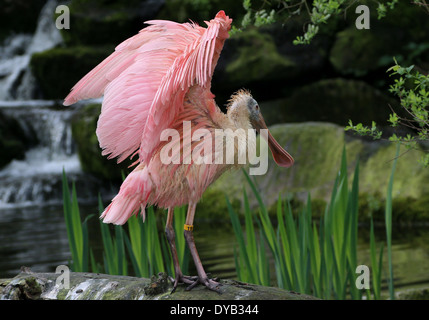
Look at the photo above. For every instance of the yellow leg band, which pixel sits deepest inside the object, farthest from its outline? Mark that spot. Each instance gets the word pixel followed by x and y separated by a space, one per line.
pixel 189 227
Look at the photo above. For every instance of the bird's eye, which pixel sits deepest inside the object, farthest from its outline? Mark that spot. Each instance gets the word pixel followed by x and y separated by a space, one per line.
pixel 257 107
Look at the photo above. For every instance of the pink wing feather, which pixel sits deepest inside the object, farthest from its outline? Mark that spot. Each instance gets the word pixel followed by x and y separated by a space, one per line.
pixel 146 79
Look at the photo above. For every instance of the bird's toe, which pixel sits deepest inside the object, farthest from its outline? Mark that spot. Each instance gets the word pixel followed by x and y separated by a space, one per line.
pixel 208 283
pixel 189 280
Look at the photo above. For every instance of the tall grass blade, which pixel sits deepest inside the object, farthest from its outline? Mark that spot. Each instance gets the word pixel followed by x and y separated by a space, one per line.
pixel 388 222
pixel 86 250
pixel 109 248
pixel 67 207
pixel 243 260
pixel 183 252
pixel 136 247
pixel 77 232
pixel 287 282
pixel 121 259
pixel 375 266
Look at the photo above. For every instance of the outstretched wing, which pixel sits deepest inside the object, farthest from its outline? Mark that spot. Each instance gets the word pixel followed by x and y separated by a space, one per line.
pixel 145 80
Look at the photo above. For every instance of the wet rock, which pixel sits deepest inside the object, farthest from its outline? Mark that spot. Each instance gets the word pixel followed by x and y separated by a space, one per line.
pixel 413 294
pixel 90 286
pixel 57 70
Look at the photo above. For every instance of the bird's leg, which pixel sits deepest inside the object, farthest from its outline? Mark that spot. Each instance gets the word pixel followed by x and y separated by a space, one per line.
pixel 202 276
pixel 169 232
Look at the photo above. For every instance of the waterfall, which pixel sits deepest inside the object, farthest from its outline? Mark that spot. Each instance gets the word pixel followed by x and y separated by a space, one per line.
pixel 16 79
pixel 36 179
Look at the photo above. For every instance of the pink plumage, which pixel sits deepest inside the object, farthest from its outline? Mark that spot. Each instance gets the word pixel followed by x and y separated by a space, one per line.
pixel 145 80
pixel 156 80
pixel 144 83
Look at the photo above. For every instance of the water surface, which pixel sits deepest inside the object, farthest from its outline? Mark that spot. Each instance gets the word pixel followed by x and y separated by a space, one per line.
pixel 36 237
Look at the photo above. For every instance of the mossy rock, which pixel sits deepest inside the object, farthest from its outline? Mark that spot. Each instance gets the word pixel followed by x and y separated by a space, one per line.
pixel 410 188
pixel 361 52
pixel 57 70
pixel 265 60
pixel 257 59
pixel 317 149
pixel 414 294
pixel 336 100
pixel 103 22
pixel 84 125
pixel 90 286
pixel 357 52
pixel 407 21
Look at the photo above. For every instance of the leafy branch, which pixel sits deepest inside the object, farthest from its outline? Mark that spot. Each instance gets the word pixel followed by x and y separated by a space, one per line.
pixel 319 13
pixel 412 89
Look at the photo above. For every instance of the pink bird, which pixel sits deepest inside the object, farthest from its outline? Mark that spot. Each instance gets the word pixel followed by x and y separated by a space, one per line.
pixel 157 80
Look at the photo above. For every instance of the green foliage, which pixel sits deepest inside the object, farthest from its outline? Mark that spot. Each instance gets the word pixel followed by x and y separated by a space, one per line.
pixel 364 130
pixel 310 257
pixel 136 242
pixel 257 18
pixel 77 231
pixel 319 13
pixel 382 8
pixel 388 223
pixel 114 258
pixel 412 88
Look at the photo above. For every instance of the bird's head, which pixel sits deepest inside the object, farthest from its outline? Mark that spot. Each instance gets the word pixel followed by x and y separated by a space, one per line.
pixel 243 108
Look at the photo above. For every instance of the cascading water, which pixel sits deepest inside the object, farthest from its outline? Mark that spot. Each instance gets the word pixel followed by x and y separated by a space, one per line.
pixel 32 228
pixel 16 80
pixel 36 179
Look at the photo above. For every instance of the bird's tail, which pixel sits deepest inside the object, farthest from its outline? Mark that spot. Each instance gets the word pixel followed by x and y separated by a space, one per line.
pixel 132 197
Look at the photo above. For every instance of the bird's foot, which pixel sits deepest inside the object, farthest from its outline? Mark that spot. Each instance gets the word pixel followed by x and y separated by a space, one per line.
pixel 211 284
pixel 182 279
pixel 193 281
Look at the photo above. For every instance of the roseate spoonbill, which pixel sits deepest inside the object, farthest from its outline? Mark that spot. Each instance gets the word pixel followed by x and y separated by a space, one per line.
pixel 153 81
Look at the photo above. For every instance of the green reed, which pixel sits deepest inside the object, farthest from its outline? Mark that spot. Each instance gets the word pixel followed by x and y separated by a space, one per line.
pixel 313 257
pixel 135 246
pixel 77 231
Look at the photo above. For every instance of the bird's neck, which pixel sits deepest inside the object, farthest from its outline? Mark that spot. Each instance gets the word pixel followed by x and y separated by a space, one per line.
pixel 239 118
